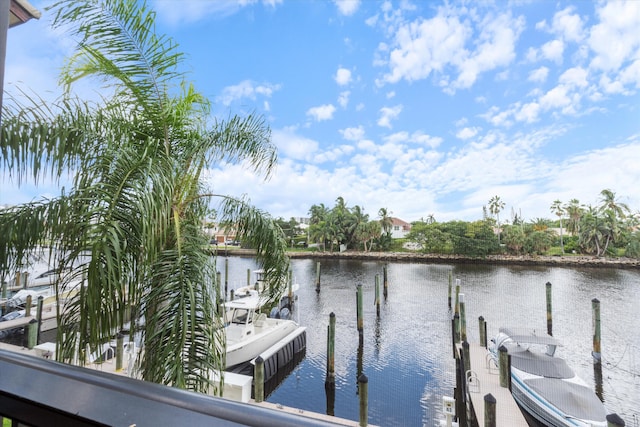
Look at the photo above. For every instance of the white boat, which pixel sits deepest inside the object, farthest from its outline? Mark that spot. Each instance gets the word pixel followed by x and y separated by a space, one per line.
pixel 284 307
pixel 544 385
pixel 249 332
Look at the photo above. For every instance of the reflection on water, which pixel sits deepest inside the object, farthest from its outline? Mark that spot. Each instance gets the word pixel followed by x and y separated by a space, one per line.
pixel 406 353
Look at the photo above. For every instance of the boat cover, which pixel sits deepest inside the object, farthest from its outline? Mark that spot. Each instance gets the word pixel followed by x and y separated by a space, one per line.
pixel 537 363
pixel 530 336
pixel 573 399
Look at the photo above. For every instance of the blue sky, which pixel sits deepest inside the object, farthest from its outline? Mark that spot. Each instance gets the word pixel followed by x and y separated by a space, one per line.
pixel 418 107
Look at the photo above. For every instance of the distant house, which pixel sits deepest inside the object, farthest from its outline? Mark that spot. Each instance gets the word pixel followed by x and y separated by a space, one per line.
pixel 399 228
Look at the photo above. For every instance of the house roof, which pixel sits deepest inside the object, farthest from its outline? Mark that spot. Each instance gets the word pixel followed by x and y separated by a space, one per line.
pixel 398 221
pixel 21 11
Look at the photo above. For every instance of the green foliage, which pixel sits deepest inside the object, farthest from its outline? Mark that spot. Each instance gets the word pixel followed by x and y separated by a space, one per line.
pixel 538 242
pixel 130 226
pixel 633 246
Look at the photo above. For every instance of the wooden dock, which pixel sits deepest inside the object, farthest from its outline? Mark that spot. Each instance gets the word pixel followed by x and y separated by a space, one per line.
pixel 486 380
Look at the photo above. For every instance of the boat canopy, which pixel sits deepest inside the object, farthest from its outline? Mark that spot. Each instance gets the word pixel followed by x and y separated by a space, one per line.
pixel 573 399
pixel 530 336
pixel 537 363
pixel 251 301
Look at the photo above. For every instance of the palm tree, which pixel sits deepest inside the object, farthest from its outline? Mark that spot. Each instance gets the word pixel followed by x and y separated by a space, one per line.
pixel 130 225
pixel 574 212
pixel 557 208
pixel 609 201
pixel 386 222
pixel 495 207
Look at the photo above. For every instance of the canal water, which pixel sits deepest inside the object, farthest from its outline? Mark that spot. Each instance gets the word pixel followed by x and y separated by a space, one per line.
pixel 406 352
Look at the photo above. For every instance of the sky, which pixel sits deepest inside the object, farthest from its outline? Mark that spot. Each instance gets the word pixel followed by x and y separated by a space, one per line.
pixel 420 107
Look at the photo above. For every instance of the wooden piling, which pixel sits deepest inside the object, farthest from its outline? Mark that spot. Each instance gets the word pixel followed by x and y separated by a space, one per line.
pixel 549 313
pixel 359 311
pixel 258 380
pixel 119 351
pixel 466 358
pixel 457 306
pixel 595 308
pixel 318 277
pixel 463 319
pixel 482 328
pixel 449 297
pixel 489 410
pixel 377 302
pixel 290 293
pixel 505 369
pixel 363 383
pixel 32 334
pixel 248 277
pixel 232 294
pixel 331 338
pixel 456 328
pixel 27 306
pixel 226 277
pixel 385 282
pixel 39 317
pixel 614 420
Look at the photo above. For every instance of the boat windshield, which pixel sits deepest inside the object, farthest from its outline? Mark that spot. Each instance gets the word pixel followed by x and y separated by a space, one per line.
pixel 240 316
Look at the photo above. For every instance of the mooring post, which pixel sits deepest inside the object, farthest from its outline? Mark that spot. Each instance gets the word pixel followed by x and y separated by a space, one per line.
pixel 456 328
pixel 363 383
pixel 318 276
pixel 119 351
pixel 449 297
pixel 331 338
pixel 385 282
pixel 39 316
pixel 457 306
pixel 614 420
pixel 290 287
pixel 377 302
pixel 463 319
pixel 505 369
pixel 226 277
pixel 27 306
pixel 489 410
pixel 549 313
pixel 359 309
pixel 258 380
pixel 232 294
pixel 595 308
pixel 248 277
pixel 32 334
pixel 466 358
pixel 482 328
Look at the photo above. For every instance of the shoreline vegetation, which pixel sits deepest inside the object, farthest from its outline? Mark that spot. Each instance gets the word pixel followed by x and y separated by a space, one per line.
pixel 524 260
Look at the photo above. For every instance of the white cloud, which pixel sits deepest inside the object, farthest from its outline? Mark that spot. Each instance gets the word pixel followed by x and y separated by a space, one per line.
pixel 292 145
pixel 347 7
pixel 352 134
pixel 553 51
pixel 448 43
pixel 568 25
pixel 343 76
pixel 427 140
pixel 539 75
pixel 576 77
pixel 343 98
pixel 246 89
pixel 467 133
pixel 322 112
pixel 387 114
pixel 615 39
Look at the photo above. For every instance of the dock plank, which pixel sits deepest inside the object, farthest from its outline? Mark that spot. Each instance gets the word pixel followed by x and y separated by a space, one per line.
pixel 507 411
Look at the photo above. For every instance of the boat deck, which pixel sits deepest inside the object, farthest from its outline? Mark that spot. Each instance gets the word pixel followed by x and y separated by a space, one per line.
pixel 488 381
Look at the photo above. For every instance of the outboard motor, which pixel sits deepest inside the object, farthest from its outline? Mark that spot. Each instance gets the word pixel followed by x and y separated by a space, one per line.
pixel 275 313
pixel 285 314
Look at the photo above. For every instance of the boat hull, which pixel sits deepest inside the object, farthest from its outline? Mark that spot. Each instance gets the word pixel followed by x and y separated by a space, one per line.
pixel 250 347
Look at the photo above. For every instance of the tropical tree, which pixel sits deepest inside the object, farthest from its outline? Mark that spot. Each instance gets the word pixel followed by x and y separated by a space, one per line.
pixel 574 212
pixel 318 213
pixel 558 209
pixel 130 225
pixel 386 222
pixel 609 201
pixel 496 205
